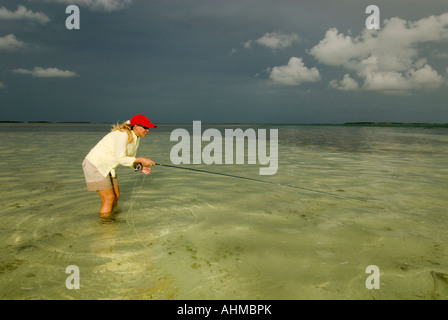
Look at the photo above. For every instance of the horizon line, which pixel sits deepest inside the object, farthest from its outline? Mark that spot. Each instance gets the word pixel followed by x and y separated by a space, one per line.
pixel 236 123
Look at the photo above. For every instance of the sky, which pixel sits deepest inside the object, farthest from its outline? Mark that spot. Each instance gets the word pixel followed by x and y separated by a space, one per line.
pixel 244 61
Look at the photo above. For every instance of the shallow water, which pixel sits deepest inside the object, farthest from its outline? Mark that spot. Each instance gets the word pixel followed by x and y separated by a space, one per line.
pixel 188 235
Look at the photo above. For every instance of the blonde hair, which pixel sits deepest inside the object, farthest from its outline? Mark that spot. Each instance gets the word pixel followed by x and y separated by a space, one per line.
pixel 124 127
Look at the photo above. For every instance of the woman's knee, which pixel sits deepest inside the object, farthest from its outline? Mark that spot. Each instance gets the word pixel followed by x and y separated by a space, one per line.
pixel 107 196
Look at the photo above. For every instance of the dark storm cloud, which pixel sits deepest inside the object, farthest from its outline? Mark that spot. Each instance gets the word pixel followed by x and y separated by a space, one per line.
pixel 223 61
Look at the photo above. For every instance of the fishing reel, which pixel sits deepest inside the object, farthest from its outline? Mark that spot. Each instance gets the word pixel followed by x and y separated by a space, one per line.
pixel 138 167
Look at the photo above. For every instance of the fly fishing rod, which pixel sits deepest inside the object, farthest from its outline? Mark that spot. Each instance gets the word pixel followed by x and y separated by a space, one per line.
pixel 262 181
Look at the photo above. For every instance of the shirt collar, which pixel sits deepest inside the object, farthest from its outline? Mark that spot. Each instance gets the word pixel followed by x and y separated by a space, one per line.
pixel 134 137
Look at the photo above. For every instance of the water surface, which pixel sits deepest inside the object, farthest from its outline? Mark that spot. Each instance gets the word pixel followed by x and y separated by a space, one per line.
pixel 187 235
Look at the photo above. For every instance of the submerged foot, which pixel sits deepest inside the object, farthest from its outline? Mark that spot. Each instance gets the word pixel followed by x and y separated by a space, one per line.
pixel 106 215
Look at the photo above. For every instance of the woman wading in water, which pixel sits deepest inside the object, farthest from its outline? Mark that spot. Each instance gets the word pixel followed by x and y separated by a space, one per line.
pixel 117 147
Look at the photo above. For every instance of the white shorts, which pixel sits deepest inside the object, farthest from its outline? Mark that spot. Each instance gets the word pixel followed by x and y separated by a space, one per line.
pixel 95 180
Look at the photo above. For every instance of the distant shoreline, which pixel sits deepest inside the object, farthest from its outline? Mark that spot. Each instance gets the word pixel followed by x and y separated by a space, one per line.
pixel 49 122
pixel 398 124
pixel 346 124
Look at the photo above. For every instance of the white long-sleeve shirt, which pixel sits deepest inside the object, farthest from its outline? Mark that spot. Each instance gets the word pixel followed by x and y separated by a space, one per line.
pixel 112 151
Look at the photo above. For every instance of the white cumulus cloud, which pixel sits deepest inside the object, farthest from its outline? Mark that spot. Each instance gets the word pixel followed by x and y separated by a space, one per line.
pixel 388 59
pixel 10 42
pixel 277 40
pixel 39 72
pixel 294 73
pixel 346 84
pixel 273 40
pixel 22 13
pixel 101 5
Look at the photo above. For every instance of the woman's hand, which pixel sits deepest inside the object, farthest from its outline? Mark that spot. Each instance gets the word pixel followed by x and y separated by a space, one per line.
pixel 145 161
pixel 150 163
pixel 146 170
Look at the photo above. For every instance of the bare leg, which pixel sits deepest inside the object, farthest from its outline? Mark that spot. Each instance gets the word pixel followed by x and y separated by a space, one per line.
pixel 108 199
pixel 117 196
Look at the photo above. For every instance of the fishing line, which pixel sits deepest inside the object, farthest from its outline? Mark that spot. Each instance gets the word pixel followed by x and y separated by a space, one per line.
pixel 135 195
pixel 131 212
pixel 263 181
